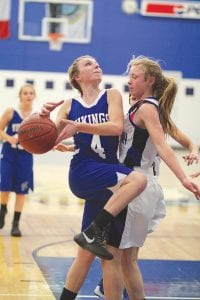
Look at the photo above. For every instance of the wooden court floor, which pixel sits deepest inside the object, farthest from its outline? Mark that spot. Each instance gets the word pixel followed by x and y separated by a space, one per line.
pixel 34 266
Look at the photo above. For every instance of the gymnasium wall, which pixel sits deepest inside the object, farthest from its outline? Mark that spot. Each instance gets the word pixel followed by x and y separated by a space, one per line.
pixel 51 86
pixel 116 36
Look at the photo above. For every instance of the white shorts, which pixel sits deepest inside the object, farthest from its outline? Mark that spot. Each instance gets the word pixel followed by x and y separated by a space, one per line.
pixel 144 214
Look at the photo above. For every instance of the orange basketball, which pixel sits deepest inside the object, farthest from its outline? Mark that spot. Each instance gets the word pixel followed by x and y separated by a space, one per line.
pixel 37 134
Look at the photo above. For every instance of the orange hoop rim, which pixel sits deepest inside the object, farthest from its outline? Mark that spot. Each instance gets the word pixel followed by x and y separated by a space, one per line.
pixel 55 36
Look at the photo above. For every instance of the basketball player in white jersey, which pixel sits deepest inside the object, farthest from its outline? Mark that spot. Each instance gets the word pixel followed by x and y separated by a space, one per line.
pixel 146 213
pixel 147 123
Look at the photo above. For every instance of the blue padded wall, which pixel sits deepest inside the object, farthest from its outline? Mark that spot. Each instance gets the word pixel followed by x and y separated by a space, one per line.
pixel 116 36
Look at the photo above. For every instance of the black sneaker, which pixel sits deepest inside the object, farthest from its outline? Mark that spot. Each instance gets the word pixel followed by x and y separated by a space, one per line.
pixel 93 244
pixel 15 230
pixel 2 218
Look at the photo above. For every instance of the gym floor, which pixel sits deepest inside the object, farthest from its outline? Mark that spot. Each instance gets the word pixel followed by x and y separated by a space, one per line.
pixel 35 265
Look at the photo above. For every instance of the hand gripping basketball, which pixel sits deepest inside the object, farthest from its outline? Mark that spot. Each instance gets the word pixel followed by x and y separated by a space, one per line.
pixel 68 131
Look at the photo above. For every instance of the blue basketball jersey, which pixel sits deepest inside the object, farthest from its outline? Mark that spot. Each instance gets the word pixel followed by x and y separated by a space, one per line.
pixel 8 150
pixel 102 148
pixel 16 164
pixel 94 167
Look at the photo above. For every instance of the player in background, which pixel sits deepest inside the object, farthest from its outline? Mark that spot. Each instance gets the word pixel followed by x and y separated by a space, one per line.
pixel 16 165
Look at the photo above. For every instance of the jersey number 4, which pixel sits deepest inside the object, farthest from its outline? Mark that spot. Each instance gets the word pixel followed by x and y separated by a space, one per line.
pixel 96 146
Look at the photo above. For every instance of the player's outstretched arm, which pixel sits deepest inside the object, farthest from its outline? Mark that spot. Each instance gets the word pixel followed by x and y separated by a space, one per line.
pixel 191 186
pixel 187 143
pixel 195 174
pixel 152 124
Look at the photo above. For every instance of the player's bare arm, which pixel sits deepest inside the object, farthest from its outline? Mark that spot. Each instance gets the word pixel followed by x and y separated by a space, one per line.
pixel 195 174
pixel 4 120
pixel 63 113
pixel 152 124
pixel 186 142
pixel 113 127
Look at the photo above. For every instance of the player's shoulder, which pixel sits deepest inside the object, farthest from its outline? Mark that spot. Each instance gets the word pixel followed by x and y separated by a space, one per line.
pixel 114 96
pixel 9 111
pixel 67 103
pixel 147 112
pixel 113 91
pixel 147 106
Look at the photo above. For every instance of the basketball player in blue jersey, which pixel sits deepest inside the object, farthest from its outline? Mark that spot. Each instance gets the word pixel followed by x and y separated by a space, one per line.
pixel 16 165
pixel 95 172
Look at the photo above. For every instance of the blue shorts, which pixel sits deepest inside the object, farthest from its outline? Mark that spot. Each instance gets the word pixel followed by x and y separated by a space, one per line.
pixel 90 178
pixel 17 176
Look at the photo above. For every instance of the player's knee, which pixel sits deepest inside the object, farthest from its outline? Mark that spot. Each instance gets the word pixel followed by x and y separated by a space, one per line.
pixel 143 180
pixel 84 256
pixel 126 260
pixel 139 179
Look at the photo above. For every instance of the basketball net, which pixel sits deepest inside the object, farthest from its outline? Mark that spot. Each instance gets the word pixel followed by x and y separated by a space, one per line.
pixel 55 41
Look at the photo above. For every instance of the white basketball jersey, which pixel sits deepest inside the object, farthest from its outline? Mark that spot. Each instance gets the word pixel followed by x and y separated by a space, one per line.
pixel 136 147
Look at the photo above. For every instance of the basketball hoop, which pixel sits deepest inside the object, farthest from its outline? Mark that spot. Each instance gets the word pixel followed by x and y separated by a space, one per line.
pixel 55 41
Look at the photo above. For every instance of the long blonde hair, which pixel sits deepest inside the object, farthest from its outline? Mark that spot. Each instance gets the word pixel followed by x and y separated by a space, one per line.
pixel 164 90
pixel 73 72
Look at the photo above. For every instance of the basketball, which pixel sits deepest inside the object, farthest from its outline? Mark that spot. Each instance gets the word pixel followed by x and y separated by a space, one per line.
pixel 37 134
